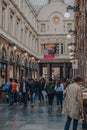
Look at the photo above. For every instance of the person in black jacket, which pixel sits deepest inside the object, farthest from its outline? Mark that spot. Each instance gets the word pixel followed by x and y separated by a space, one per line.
pixel 41 88
pixel 49 87
pixel 33 91
pixel 24 89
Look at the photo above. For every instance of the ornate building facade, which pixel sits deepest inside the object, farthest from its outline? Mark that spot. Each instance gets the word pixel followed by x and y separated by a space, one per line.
pixel 81 38
pixel 17 29
pixel 24 34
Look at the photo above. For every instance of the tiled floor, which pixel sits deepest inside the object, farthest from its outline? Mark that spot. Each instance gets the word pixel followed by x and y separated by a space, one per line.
pixel 40 117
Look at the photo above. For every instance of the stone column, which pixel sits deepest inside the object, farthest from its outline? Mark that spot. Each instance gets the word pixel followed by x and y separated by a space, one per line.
pixel 49 73
pixel 0 13
pixel 39 69
pixel 7 18
pixel 61 72
pixel 64 70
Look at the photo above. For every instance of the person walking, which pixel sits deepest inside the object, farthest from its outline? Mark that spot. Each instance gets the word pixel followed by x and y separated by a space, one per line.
pixel 24 89
pixel 33 91
pixel 59 93
pixel 9 85
pixel 49 87
pixel 73 107
pixel 13 91
pixel 41 89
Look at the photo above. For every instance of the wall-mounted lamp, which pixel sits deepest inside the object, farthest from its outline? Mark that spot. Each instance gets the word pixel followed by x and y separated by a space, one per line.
pixel 67 14
pixel 32 58
pixel 71 57
pixel 71 46
pixel 74 8
pixel 38 61
pixel 72 43
pixel 25 53
pixel 71 53
pixel 72 31
pixel 14 46
pixel 69 36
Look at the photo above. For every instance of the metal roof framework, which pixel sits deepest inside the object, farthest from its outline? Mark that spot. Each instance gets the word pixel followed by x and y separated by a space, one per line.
pixel 38 4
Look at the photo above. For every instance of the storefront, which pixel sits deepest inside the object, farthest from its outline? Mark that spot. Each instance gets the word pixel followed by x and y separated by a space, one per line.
pixel 3 67
pixel 11 70
pixel 3 73
pixel 11 66
pixel 17 73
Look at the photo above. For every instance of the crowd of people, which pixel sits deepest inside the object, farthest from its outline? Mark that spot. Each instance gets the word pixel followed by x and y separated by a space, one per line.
pixel 68 95
pixel 28 89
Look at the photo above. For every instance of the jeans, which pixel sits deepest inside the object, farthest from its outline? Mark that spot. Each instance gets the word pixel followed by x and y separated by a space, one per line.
pixel 33 94
pixel 50 98
pixel 68 121
pixel 11 98
pixel 25 98
pixel 41 97
pixel 59 96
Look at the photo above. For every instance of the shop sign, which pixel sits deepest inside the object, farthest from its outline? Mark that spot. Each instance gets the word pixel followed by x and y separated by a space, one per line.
pixel 49 56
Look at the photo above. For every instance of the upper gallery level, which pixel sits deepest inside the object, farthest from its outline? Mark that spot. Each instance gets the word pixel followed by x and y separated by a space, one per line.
pixel 20 24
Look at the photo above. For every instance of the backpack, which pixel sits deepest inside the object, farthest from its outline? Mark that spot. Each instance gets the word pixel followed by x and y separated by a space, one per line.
pixel 14 86
pixel 9 86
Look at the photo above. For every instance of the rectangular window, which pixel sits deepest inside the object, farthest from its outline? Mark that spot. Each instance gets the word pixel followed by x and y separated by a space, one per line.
pixel 29 40
pixel 3 17
pixel 21 4
pixel 42 48
pixel 42 27
pixel 69 26
pixel 18 29
pixel 62 48
pixel 57 49
pixel 25 38
pixel 22 35
pixel 11 23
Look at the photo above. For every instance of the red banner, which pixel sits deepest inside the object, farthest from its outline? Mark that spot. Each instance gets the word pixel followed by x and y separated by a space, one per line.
pixel 49 56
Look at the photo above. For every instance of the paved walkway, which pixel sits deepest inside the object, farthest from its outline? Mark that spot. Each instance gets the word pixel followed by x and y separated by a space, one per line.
pixel 40 117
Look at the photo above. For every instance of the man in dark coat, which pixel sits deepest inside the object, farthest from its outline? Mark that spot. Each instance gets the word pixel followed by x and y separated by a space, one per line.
pixel 24 89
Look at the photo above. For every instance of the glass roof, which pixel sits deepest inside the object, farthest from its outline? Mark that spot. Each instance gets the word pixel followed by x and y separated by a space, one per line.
pixel 38 4
pixel 69 2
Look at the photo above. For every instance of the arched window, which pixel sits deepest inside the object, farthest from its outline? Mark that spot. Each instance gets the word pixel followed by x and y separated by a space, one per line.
pixel 11 56
pixel 25 62
pixel 57 49
pixel 62 48
pixel 30 64
pixel 3 53
pixel 17 59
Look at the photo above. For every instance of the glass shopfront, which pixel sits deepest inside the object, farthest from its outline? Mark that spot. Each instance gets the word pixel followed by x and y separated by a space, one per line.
pixel 3 73
pixel 11 71
pixel 3 68
pixel 17 72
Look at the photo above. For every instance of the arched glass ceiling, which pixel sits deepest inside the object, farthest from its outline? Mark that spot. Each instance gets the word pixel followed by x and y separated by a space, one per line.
pixel 38 4
pixel 69 2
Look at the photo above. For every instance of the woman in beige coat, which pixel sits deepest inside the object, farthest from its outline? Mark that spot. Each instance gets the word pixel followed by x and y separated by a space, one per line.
pixel 73 106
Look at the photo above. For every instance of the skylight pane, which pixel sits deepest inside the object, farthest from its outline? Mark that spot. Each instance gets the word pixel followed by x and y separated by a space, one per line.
pixel 38 4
